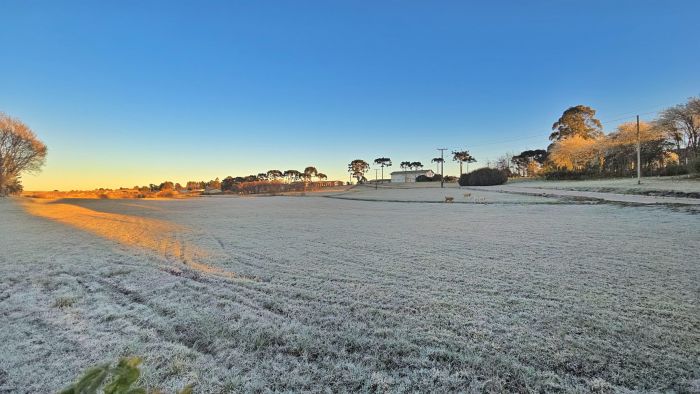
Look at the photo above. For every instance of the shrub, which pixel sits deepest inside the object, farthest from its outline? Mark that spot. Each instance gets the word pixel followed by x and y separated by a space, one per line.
pixel 12 187
pixel 451 179
pixel 423 178
pixel 166 194
pixel 571 175
pixel 674 169
pixel 483 177
pixel 113 380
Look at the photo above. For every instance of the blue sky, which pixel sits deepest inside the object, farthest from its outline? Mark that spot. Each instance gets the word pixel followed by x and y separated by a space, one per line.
pixel 131 92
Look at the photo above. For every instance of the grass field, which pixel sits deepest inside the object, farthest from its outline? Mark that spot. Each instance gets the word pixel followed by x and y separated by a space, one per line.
pixel 669 186
pixel 314 293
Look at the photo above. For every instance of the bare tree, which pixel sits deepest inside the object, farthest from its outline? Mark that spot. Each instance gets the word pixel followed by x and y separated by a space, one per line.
pixel 20 151
pixel 682 124
pixel 504 163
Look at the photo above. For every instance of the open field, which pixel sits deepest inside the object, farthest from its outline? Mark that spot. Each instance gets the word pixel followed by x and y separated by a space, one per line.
pixel 661 186
pixel 521 293
pixel 431 192
pixel 515 193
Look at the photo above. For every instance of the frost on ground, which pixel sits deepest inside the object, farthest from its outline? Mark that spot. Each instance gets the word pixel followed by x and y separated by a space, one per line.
pixel 350 295
pixel 511 193
pixel 682 186
pixel 433 193
pixel 583 195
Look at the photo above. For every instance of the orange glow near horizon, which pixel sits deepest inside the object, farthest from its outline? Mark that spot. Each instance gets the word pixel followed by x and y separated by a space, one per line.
pixel 152 235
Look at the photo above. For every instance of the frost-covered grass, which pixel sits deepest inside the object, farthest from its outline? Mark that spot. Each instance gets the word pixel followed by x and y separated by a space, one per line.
pixel 431 192
pixel 517 193
pixel 351 295
pixel 649 185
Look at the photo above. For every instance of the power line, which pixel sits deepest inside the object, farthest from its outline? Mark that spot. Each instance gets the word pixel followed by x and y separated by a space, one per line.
pixel 629 117
pixel 632 114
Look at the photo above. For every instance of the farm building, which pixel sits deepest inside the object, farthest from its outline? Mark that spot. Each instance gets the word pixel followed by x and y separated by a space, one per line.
pixel 409 176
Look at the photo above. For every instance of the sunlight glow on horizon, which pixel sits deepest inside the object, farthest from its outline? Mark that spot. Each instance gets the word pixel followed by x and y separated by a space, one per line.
pixel 197 91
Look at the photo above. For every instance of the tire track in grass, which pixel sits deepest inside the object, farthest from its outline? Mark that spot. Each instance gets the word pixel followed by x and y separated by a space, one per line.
pixel 159 236
pixel 283 268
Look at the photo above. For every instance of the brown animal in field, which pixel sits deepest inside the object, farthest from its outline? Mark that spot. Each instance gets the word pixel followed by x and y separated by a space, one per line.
pixel 467 195
pixel 449 199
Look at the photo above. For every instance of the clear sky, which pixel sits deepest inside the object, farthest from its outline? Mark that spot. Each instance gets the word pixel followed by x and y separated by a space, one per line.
pixel 137 92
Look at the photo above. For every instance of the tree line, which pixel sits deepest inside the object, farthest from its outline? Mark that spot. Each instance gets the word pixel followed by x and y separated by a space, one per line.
pixel 249 183
pixel 669 145
pixel 358 167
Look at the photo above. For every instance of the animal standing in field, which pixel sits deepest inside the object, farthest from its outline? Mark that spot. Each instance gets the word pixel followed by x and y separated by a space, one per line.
pixel 467 195
pixel 449 199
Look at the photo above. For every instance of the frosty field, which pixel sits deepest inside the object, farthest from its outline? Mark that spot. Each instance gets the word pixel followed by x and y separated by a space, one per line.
pixel 521 293
pixel 649 186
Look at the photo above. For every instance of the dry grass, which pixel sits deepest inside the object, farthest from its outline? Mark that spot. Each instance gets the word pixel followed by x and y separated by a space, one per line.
pixel 158 236
pixel 106 194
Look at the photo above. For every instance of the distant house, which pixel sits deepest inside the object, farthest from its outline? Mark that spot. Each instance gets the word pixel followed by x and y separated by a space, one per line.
pixel 409 176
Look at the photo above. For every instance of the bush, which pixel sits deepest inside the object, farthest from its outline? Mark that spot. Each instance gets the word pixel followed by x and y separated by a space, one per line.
pixel 451 179
pixel 423 178
pixel 166 194
pixel 483 177
pixel 560 174
pixel 10 188
pixel 119 379
pixel 674 169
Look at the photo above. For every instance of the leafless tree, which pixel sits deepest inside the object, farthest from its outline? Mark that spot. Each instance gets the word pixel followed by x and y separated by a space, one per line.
pixel 20 151
pixel 682 125
pixel 504 162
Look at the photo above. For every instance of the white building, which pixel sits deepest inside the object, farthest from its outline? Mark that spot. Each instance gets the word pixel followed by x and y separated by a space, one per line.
pixel 409 176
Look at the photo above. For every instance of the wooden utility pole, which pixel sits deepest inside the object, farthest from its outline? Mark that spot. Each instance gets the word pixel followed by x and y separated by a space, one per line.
pixel 639 155
pixel 442 166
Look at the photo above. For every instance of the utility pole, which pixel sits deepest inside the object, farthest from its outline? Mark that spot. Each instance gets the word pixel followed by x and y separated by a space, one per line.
pixel 442 166
pixel 376 183
pixel 639 155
